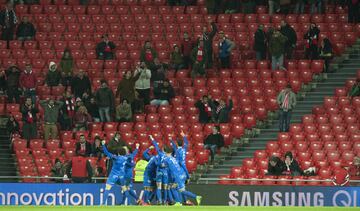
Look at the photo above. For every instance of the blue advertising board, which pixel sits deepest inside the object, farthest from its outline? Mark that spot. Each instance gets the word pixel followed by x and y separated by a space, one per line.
pixel 228 195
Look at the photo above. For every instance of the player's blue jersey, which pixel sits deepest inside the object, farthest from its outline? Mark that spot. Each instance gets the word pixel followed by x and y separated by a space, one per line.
pixel 161 165
pixel 180 154
pixel 118 167
pixel 175 169
pixel 152 165
pixel 130 164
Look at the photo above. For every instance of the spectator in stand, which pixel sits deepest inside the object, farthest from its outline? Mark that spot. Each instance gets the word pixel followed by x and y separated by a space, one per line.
pixel 53 77
pixel 142 85
pixel 213 142
pixel 83 147
pixel 225 48
pixel 126 87
pixel 292 166
pixel 205 109
pixel 290 34
pixel 354 169
pixel 124 112
pixel 177 59
pixel 96 148
pixel 68 111
pixel 326 53
pixel 66 67
pixel 312 39
pixel 353 11
pixel 163 94
pixel 277 50
pixel 299 6
pixel 221 111
pixel 8 21
pixel 29 119
pixel 51 114
pixel 105 101
pixel 115 143
pixel 148 55
pixel 355 89
pixel 287 102
pixel 58 170
pixel 79 169
pixel 12 125
pixel 138 105
pixel 13 84
pixel 199 58
pixel 80 84
pixel 104 49
pixel 158 77
pixel 86 99
pixel 158 68
pixel 28 82
pixel 274 6
pixel 81 119
pixel 260 43
pixel 93 109
pixel 186 48
pixel 25 30
pixel 342 177
pixel 2 81
pixel 208 37
pixel 269 34
pixel 276 166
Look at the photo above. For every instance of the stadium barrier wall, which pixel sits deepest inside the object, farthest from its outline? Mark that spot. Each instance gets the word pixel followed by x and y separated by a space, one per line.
pixel 228 195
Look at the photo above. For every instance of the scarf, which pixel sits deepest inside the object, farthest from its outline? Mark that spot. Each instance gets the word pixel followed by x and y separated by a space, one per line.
pixel 285 104
pixel 70 108
pixel 200 54
pixel 207 109
pixel 219 108
pixel 29 118
pixel 205 36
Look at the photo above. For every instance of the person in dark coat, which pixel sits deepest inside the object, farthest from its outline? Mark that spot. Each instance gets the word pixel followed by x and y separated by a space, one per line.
pixel 213 142
pixel 104 50
pixel 292 166
pixel 290 33
pixel 260 43
pixel 163 94
pixel 205 109
pixel 126 87
pixel 312 38
pixel 326 53
pixel 12 125
pixel 80 84
pixel 3 81
pixel 13 86
pixel 276 166
pixel 53 77
pixel 96 148
pixel 83 147
pixel 8 21
pixel 208 37
pixel 105 100
pixel 25 30
pixel 58 170
pixel 199 57
pixel 93 109
pixel 29 119
pixel 66 67
pixel 353 11
pixel 221 111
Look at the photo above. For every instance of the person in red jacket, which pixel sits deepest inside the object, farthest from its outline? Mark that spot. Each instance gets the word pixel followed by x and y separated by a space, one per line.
pixel 79 169
pixel 342 176
pixel 28 82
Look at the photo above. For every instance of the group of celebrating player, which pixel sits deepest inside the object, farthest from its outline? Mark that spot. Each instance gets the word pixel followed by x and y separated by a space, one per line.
pixel 165 175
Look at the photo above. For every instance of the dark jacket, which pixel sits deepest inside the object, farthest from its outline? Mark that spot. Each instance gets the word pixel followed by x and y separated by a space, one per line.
pixel 295 169
pixel 93 110
pixel 113 145
pixel 223 115
pixel 100 49
pixel 3 82
pixel 126 88
pixel 25 110
pixel 51 114
pixel 204 116
pixel 164 93
pixel 12 126
pixel 13 78
pixel 105 97
pixel 312 37
pixel 277 45
pixel 26 30
pixel 194 53
pixel 290 33
pixel 66 65
pixel 260 41
pixel 215 139
pixel 208 38
pixel 88 149
pixel 58 172
pixel 53 78
pixel 96 151
pixel 80 86
pixel 12 18
pixel 278 169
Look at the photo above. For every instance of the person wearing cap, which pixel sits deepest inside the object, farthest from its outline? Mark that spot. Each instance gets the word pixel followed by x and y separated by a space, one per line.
pixel 13 84
pixel 51 114
pixel 28 82
pixel 53 77
pixel 163 94
pixel 199 57
pixel 221 111
pixel 80 84
pixel 104 49
pixel 287 102
pixel 25 30
pixel 276 166
pixel 225 48
pixel 105 101
pixel 176 59
pixel 213 142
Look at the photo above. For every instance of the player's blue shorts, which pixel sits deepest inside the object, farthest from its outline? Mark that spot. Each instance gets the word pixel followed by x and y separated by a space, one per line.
pixel 114 179
pixel 162 176
pixel 149 179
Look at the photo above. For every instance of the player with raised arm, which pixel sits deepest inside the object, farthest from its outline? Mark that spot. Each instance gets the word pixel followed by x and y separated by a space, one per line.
pixel 179 177
pixel 117 174
pixel 149 175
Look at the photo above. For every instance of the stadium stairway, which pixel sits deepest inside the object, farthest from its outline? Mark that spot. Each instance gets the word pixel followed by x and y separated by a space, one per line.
pixel 343 68
pixel 7 161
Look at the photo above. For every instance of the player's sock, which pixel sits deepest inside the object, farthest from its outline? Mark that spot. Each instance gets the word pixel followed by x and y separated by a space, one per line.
pixel 146 196
pixel 165 199
pixel 170 196
pixel 106 195
pixel 158 195
pixel 151 195
pixel 126 196
pixel 123 198
pixel 189 194
pixel 133 194
pixel 184 197
pixel 176 195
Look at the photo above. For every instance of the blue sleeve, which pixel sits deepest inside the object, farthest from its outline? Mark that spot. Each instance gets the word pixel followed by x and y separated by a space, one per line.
pixel 158 150
pixel 133 154
pixel 186 143
pixel 173 145
pixel 107 153
pixel 146 155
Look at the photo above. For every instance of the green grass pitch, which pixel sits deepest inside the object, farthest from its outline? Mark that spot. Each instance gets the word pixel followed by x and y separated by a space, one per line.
pixel 160 208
